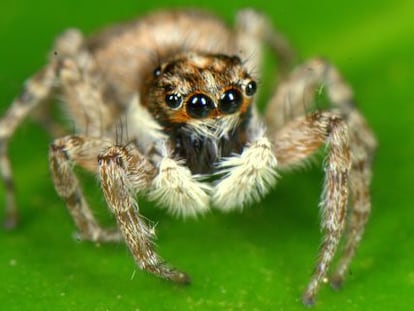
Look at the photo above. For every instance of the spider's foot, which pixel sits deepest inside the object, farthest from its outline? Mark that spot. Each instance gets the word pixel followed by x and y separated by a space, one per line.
pixel 336 281
pixel 181 278
pixel 164 271
pixel 309 295
pixel 308 300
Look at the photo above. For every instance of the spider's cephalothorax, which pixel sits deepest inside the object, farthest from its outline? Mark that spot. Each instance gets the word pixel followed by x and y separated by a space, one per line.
pixel 195 139
pixel 203 103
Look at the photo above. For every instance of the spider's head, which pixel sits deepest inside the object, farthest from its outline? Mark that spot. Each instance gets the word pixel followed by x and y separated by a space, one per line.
pixel 206 93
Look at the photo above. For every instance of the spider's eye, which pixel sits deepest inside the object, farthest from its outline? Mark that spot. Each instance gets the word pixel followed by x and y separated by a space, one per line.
pixel 157 72
pixel 251 88
pixel 199 106
pixel 174 100
pixel 230 101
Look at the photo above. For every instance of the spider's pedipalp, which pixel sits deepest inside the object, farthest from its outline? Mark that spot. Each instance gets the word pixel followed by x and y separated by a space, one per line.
pixel 247 177
pixel 175 188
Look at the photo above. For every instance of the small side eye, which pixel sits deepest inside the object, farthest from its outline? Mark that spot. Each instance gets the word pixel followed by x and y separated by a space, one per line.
pixel 174 100
pixel 157 72
pixel 251 88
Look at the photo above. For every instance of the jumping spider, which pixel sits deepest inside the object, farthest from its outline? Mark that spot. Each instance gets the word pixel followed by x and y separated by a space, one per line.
pixel 183 85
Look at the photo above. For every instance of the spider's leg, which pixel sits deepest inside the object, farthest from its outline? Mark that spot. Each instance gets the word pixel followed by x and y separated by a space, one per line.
pixel 297 141
pixel 36 90
pixel 91 111
pixel 124 171
pixel 363 146
pixel 64 153
pixel 301 92
pixel 87 100
pixel 32 101
pixel 293 98
pixel 253 29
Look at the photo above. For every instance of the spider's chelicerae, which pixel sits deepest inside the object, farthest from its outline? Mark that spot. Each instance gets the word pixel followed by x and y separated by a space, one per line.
pixel 183 86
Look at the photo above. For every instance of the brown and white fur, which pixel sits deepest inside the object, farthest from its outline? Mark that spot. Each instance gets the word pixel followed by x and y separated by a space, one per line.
pixel 181 84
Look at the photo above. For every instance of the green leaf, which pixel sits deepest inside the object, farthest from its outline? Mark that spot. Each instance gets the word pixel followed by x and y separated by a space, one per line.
pixel 260 259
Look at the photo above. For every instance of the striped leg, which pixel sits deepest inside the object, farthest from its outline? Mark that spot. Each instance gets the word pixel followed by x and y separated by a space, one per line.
pixel 63 155
pixel 124 172
pixel 36 91
pixel 295 97
pixel 294 143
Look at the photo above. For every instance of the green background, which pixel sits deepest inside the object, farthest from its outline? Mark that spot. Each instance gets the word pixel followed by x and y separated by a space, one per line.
pixel 257 260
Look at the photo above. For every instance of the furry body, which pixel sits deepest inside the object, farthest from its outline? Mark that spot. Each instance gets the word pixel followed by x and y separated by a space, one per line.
pixel 181 87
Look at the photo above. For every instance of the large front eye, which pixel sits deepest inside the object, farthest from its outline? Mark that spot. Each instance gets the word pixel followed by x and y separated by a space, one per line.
pixel 199 106
pixel 174 100
pixel 230 101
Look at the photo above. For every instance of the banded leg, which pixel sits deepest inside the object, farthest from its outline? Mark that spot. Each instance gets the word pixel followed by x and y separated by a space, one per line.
pixel 64 153
pixel 124 172
pixel 294 143
pixel 83 96
pixel 362 149
pixel 36 91
pixel 253 30
pixel 293 98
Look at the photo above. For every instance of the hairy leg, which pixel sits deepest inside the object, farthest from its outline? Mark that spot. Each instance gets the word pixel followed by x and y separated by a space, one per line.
pixel 253 29
pixel 295 97
pixel 124 172
pixel 84 98
pixel 294 143
pixel 36 91
pixel 63 155
pixel 362 151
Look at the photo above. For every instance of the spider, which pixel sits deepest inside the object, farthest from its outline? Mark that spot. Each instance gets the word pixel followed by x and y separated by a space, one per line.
pixel 182 85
